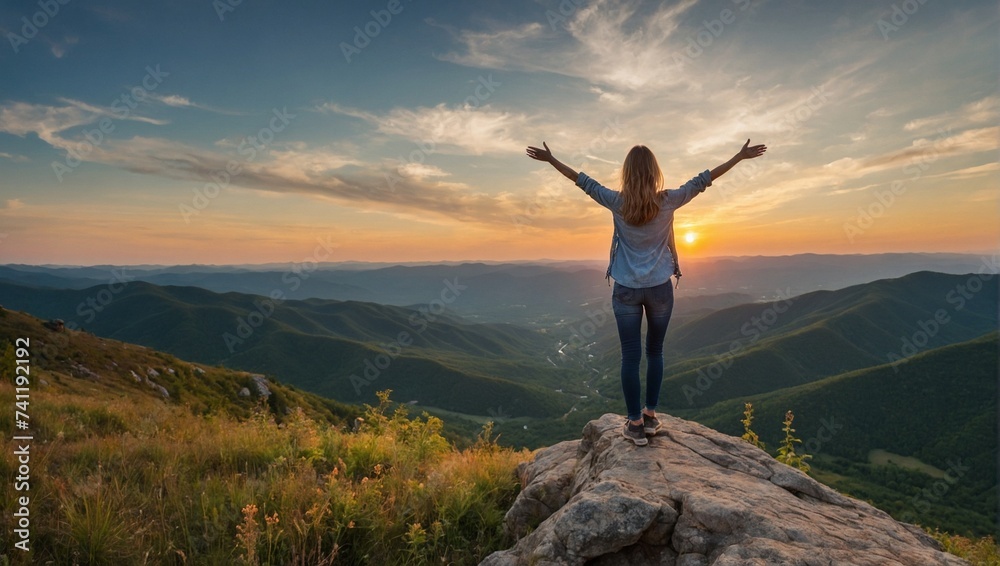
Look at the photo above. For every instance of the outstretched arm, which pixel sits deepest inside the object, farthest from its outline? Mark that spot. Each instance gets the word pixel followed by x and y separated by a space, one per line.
pixel 546 155
pixel 747 152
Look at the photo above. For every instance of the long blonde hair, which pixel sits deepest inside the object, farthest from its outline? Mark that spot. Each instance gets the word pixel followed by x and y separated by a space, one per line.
pixel 641 181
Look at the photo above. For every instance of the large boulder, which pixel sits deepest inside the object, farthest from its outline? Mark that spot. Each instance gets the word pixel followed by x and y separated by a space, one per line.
pixel 693 496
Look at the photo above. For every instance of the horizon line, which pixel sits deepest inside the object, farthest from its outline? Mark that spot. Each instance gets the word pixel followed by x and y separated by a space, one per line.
pixel 483 261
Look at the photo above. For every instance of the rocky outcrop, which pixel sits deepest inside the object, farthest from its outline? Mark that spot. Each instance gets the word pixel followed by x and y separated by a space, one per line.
pixel 79 370
pixel 692 497
pixel 261 383
pixel 156 386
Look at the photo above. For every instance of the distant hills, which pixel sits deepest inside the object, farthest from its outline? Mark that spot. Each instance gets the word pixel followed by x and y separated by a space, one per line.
pixel 760 347
pixel 342 350
pixel 523 292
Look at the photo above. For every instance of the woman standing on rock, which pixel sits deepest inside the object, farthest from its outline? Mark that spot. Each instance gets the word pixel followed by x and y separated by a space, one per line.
pixel 642 260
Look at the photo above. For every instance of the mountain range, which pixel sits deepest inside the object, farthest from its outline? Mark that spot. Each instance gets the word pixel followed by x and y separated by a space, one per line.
pixel 892 382
pixel 523 292
pixel 342 350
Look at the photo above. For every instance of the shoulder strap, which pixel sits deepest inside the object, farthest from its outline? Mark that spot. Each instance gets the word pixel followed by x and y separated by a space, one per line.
pixel 611 259
pixel 673 252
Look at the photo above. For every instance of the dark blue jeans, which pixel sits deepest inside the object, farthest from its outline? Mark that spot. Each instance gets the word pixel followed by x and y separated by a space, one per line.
pixel 629 304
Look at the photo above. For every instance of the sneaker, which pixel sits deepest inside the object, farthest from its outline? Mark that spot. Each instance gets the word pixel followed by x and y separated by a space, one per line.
pixel 651 425
pixel 635 433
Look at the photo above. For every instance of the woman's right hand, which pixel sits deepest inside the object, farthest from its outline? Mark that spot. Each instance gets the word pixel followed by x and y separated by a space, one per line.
pixel 540 154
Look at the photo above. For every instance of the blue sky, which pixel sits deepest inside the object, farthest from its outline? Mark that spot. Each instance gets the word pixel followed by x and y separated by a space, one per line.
pixel 254 135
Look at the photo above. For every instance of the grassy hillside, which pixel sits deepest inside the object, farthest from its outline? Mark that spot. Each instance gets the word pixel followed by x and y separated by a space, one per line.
pixel 343 350
pixel 74 362
pixel 940 408
pixel 119 473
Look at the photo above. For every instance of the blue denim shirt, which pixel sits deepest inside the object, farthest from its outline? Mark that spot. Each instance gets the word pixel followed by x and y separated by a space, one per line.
pixel 640 256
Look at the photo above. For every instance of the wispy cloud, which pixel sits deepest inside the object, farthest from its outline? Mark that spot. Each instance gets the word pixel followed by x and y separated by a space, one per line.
pixel 451 129
pixel 13 156
pixel 178 101
pixel 47 122
pixel 612 43
pixel 787 182
pixel 59 48
pixel 967 142
pixel 983 111
pixel 289 169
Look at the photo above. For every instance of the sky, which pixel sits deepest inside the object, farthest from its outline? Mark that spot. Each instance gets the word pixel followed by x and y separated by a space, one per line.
pixel 256 131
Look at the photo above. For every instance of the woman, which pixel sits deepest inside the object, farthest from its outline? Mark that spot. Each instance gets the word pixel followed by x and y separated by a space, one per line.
pixel 641 265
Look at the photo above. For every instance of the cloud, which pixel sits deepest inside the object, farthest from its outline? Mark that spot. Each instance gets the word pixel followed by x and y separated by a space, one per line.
pixel 13 204
pixel 611 43
pixel 421 171
pixel 614 98
pixel 20 118
pixel 12 156
pixel 772 186
pixel 450 129
pixel 290 168
pixel 47 122
pixel 295 167
pixel 945 144
pixel 983 111
pixel 178 101
pixel 59 47
pixel 967 173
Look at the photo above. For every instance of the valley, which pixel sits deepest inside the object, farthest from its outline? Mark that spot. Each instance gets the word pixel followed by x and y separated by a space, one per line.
pixel 888 379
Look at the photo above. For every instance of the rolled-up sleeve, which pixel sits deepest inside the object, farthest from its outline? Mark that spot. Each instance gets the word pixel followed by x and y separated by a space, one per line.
pixel 682 195
pixel 603 195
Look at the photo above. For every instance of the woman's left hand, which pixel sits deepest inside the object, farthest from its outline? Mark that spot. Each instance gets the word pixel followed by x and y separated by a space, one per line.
pixel 540 154
pixel 749 152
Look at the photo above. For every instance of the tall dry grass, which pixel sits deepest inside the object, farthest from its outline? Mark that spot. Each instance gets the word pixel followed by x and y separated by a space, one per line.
pixel 139 481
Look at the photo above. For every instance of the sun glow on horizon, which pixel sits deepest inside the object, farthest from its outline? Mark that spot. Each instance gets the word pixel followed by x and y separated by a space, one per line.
pixel 690 237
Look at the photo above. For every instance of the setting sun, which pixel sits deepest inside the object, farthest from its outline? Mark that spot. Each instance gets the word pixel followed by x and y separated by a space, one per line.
pixel 690 237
